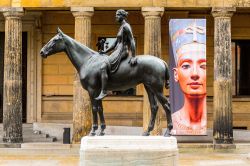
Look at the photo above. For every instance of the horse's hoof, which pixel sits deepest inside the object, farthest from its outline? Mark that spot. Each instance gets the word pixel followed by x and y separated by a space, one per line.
pixel 92 134
pixel 167 133
pixel 101 134
pixel 145 133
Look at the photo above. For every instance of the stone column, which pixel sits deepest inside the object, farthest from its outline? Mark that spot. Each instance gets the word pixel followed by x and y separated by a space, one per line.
pixel 223 129
pixel 39 67
pixel 152 46
pixel 81 104
pixel 12 93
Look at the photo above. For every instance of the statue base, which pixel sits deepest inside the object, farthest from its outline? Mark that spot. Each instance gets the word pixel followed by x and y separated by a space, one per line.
pixel 128 150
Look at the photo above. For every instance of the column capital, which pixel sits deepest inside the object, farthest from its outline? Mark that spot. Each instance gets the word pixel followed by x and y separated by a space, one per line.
pixel 12 11
pixel 152 11
pixel 223 11
pixel 82 11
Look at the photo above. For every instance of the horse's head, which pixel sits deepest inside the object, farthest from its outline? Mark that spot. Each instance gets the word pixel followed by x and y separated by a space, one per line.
pixel 55 45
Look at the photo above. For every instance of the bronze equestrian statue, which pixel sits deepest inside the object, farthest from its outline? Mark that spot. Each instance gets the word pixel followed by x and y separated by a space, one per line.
pixel 128 72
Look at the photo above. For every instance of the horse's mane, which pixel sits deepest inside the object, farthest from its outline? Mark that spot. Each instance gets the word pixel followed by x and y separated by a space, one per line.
pixel 80 44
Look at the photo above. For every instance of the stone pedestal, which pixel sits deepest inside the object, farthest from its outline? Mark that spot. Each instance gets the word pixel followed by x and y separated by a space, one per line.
pixel 81 101
pixel 152 46
pixel 12 92
pixel 223 123
pixel 128 150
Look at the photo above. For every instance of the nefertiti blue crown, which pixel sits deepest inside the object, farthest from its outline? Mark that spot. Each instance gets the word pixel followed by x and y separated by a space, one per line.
pixel 185 31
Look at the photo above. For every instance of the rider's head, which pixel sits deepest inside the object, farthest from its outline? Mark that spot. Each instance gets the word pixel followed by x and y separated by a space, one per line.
pixel 121 14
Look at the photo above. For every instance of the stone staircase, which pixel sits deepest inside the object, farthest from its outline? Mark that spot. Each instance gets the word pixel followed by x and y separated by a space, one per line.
pixel 30 135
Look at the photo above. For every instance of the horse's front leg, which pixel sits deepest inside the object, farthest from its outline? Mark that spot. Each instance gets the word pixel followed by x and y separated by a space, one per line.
pixel 95 117
pixel 102 120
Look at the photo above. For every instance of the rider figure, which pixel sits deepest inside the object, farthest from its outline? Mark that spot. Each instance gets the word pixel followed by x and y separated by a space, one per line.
pixel 123 46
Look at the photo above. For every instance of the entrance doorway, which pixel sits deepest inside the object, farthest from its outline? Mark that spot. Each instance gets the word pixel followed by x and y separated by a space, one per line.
pixel 24 74
pixel 241 60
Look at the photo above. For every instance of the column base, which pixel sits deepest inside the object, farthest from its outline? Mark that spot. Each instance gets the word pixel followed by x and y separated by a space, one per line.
pixel 223 141
pixel 225 146
pixel 13 139
pixel 10 145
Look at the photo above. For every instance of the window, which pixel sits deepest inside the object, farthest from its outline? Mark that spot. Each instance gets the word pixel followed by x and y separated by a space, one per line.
pixel 103 44
pixel 241 67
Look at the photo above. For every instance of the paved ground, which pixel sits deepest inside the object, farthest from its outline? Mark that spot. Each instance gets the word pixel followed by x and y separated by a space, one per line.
pixel 52 154
pixel 68 155
pixel 58 154
pixel 209 157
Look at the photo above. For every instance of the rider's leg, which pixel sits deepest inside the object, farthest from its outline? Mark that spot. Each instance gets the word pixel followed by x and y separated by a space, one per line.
pixel 104 79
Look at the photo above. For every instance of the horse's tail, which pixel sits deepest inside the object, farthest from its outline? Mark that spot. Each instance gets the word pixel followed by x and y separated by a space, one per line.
pixel 166 75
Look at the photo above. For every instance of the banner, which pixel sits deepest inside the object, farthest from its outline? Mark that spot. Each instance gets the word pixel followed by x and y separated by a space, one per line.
pixel 187 50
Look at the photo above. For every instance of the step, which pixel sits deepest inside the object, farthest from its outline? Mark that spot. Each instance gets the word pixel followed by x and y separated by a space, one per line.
pixel 42 135
pixel 25 127
pixel 32 135
pixel 9 145
pixel 45 146
pixel 49 139
pixel 36 139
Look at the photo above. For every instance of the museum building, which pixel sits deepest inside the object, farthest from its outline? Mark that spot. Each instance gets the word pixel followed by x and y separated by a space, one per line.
pixel 48 92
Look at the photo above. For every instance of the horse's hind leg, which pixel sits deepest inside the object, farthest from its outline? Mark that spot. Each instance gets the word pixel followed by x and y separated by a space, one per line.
pixel 154 109
pixel 102 120
pixel 166 106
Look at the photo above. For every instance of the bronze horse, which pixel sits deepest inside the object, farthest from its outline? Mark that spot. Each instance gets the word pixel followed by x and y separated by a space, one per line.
pixel 149 70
